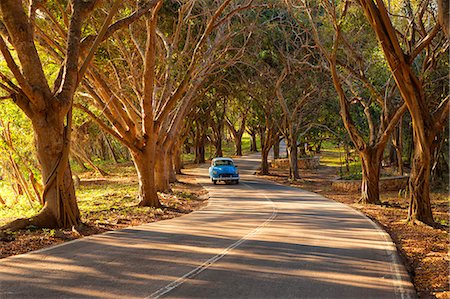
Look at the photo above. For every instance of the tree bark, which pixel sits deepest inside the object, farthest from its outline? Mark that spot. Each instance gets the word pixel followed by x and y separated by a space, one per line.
pixel 276 149
pixel 79 162
pixel 170 161
pixel 53 145
pixel 397 143
pixel 262 140
pixel 265 162
pixel 162 172
pixel 218 146
pixel 238 145
pixel 253 145
pixel 52 148
pixel 293 159
pixel 419 188
pixel 199 147
pixel 177 159
pixel 144 164
pixel 371 166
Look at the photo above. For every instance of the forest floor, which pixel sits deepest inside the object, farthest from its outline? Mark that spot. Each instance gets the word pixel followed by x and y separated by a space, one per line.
pixel 109 203
pixel 424 249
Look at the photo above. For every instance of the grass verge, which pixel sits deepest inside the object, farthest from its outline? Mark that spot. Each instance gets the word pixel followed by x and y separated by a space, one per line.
pixel 105 204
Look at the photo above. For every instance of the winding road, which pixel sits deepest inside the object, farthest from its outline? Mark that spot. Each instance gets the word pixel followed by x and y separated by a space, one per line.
pixel 257 239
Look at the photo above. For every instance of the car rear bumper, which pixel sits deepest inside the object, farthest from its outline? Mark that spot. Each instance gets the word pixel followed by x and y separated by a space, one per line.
pixel 234 178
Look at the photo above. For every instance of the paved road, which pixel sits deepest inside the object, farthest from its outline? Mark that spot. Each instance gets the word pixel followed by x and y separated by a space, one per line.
pixel 253 240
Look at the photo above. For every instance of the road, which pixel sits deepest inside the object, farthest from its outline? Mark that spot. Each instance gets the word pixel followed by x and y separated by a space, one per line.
pixel 253 240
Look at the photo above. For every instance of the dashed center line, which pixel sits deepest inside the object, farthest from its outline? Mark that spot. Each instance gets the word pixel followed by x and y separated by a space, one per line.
pixel 176 283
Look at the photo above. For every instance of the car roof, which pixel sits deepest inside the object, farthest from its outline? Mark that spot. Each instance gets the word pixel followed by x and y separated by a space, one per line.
pixel 222 159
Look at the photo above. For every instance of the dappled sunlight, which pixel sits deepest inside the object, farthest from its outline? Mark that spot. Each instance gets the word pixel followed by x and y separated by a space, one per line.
pixel 275 235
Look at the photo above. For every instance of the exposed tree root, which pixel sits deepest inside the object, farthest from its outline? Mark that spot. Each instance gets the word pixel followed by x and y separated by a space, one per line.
pixel 433 224
pixel 42 220
pixel 364 201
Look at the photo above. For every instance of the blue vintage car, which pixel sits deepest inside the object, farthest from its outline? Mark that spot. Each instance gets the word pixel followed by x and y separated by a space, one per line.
pixel 223 169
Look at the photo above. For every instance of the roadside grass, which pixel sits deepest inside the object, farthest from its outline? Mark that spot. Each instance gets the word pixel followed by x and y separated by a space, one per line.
pixel 105 203
pixel 335 157
pixel 16 206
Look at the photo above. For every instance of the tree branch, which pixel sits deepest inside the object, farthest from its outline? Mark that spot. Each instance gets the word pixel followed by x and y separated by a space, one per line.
pixel 105 127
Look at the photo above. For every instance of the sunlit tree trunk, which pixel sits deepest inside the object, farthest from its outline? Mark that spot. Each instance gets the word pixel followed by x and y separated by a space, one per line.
pixel 427 121
pixel 162 172
pixel 419 187
pixel 371 166
pixel 144 161
pixel 52 148
pixel 177 159
pixel 170 161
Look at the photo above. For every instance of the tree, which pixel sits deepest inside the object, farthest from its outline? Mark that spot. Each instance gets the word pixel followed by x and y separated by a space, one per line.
pixel 417 40
pixel 292 115
pixel 289 60
pixel 236 120
pixel 183 48
pixel 46 100
pixel 361 93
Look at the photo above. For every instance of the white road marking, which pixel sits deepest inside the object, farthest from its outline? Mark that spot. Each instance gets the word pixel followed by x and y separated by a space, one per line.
pixel 176 283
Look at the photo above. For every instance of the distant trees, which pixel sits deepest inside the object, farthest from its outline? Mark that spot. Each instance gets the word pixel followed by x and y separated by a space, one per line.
pixel 236 118
pixel 181 49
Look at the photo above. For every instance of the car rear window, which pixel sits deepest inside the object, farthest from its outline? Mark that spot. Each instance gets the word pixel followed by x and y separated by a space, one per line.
pixel 223 162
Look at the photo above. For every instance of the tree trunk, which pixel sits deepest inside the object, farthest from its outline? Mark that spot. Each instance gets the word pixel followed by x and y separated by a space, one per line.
pixel 238 144
pixel 199 145
pixel 172 173
pixel 162 172
pixel 293 159
pixel 177 159
pixel 218 146
pixel 253 145
pixel 262 140
pixel 371 167
pixel 397 143
pixel 276 149
pixel 60 209
pixel 53 146
pixel 265 161
pixel 144 164
pixel 419 188
pixel 110 148
pixel 79 162
pixel 200 151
